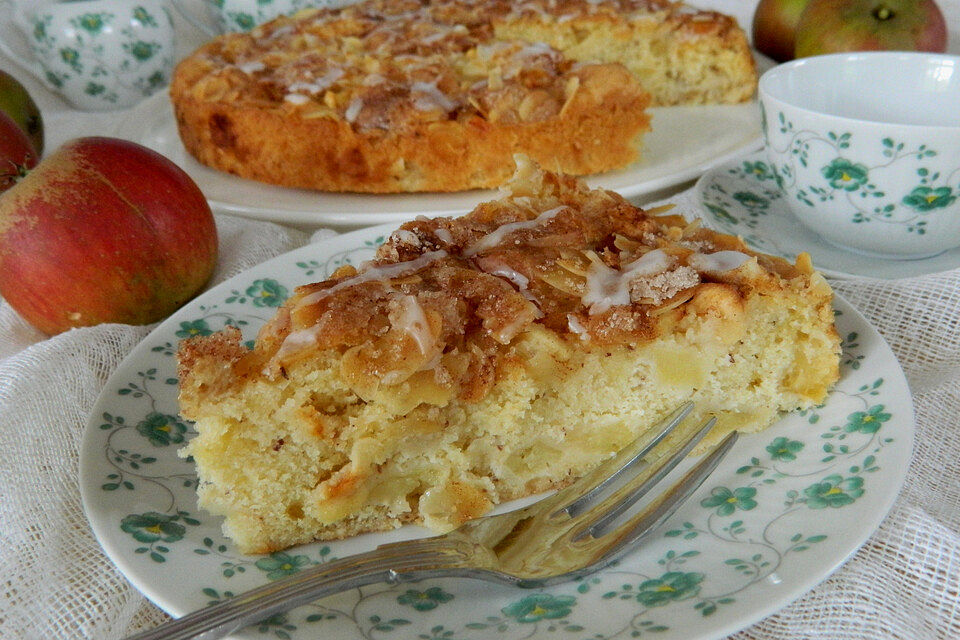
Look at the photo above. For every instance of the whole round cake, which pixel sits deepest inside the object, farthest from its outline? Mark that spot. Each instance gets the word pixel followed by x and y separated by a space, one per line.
pixel 412 95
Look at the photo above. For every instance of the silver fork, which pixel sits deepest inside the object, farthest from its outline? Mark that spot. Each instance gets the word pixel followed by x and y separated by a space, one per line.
pixel 567 535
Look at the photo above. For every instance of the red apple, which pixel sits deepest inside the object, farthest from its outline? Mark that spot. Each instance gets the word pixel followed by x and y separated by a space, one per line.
pixel 103 230
pixel 832 26
pixel 775 25
pixel 16 152
pixel 16 102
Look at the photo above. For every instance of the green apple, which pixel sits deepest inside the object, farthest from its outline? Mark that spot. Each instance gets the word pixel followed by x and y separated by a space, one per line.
pixel 774 27
pixel 832 26
pixel 17 103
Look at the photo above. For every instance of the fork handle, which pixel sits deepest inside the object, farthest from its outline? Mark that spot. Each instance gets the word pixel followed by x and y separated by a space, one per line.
pixel 390 563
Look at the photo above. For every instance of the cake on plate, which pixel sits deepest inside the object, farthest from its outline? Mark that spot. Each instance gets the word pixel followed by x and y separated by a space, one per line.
pixel 416 95
pixel 480 359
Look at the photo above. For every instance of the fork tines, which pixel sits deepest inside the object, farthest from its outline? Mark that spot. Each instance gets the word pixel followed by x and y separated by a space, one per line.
pixel 596 503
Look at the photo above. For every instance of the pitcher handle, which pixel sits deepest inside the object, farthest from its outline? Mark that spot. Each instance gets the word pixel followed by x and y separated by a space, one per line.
pixel 24 58
pixel 189 16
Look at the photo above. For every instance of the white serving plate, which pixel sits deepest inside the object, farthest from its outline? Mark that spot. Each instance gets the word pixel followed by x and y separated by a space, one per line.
pixel 685 142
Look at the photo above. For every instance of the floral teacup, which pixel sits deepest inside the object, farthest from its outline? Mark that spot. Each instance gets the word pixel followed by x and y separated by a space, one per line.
pixel 98 54
pixel 242 15
pixel 866 148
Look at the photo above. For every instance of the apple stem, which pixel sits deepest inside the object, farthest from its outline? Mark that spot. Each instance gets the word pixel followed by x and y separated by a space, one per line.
pixel 883 12
pixel 18 173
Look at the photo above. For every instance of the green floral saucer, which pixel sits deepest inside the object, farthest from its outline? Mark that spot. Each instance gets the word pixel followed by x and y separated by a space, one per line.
pixel 782 512
pixel 741 197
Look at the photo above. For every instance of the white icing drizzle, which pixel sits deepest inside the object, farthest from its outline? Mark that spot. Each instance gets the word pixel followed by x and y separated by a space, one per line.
pixel 438 35
pixel 496 236
pixel 717 262
pixel 497 268
pixel 295 341
pixel 607 287
pixel 577 327
pixel 509 331
pixel 536 49
pixel 301 87
pixel 296 98
pixel 411 319
pixel 430 97
pixel 528 56
pixel 385 272
pixel 353 109
pixel 251 67
pixel 328 79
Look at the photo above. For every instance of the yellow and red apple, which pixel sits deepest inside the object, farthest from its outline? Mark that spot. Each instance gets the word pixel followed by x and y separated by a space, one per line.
pixel 833 26
pixel 785 29
pixel 775 25
pixel 103 230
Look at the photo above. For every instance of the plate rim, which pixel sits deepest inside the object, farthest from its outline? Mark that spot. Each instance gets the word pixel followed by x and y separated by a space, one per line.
pixel 156 595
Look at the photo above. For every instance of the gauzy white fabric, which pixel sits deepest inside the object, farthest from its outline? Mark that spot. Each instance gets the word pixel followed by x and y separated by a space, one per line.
pixel 57 583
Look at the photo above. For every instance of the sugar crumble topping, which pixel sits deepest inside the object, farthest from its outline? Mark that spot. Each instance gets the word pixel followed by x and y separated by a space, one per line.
pixel 380 63
pixel 663 286
pixel 589 265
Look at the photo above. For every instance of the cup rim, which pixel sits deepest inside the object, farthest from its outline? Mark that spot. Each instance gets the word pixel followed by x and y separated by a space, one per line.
pixel 766 79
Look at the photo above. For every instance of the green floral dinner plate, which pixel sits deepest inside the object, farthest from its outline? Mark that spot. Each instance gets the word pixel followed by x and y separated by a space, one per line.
pixel 741 197
pixel 785 508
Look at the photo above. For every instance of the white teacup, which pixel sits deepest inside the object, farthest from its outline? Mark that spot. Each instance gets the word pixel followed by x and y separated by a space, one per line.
pixel 224 16
pixel 97 54
pixel 866 148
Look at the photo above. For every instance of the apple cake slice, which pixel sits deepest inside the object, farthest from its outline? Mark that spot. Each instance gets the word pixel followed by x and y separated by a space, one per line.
pixel 481 359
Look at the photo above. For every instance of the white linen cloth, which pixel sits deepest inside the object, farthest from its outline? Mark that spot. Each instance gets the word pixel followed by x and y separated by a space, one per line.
pixel 55 582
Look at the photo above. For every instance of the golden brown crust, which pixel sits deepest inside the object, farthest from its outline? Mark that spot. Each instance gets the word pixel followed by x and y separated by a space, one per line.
pixel 403 95
pixel 451 155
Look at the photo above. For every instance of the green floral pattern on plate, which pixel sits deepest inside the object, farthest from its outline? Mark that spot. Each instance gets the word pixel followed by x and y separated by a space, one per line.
pixel 739 206
pixel 820 479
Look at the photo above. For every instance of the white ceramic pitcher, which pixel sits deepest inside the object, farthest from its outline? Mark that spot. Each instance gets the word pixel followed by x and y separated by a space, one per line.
pixel 97 54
